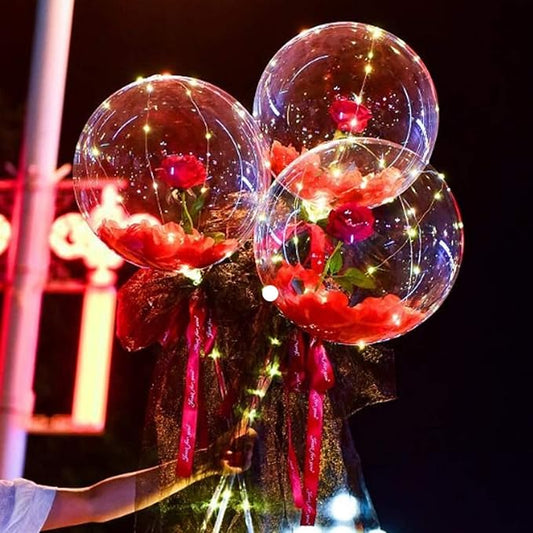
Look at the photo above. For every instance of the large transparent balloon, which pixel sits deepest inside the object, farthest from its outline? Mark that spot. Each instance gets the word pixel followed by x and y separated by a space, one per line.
pixel 168 172
pixel 346 78
pixel 356 272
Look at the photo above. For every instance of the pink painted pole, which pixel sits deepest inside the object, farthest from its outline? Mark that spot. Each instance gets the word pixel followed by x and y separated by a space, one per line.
pixel 34 207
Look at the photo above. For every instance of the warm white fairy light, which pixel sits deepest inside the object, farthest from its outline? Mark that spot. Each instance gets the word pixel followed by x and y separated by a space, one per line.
pixel 270 293
pixel 215 353
pixel 382 163
pixel 416 270
pixel 95 152
pixel 276 259
pixel 274 370
pixel 194 274
pixel 208 135
pixel 396 319
pixel 411 233
pixel 441 176
pixel 146 128
pixel 149 88
pixel 438 195
pixel 370 270
pixel 245 504
pixel 368 69
pixel 376 33
pixel 251 415
pixel 361 345
pixel 274 341
pixel 336 172
pixel 240 111
pixel 318 209
pixel 260 393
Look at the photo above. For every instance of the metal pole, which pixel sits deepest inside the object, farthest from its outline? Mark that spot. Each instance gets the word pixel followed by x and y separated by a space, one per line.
pixel 34 209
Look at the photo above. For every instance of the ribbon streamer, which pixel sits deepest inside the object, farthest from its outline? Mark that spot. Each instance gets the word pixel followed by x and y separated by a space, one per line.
pixel 201 335
pixel 307 365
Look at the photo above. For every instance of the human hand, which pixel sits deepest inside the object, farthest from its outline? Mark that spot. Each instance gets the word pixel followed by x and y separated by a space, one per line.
pixel 232 452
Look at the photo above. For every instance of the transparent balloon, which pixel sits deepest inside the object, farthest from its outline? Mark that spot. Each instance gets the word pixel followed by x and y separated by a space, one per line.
pixel 346 78
pixel 353 273
pixel 168 172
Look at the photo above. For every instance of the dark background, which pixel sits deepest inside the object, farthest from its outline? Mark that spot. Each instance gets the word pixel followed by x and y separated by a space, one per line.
pixel 453 453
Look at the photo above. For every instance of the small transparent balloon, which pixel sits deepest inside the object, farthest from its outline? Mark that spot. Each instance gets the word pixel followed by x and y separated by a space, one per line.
pixel 342 79
pixel 168 172
pixel 355 273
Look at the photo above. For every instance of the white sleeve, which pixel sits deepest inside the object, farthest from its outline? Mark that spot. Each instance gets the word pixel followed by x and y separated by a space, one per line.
pixel 24 505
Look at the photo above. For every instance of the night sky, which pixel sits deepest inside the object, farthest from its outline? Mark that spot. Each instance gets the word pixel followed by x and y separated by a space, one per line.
pixel 453 453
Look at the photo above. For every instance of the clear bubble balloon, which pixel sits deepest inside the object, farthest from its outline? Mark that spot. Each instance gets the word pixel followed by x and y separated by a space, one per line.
pixel 353 272
pixel 168 172
pixel 346 78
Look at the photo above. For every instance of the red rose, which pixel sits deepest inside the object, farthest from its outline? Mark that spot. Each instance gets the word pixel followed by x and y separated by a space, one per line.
pixel 349 116
pixel 182 171
pixel 350 223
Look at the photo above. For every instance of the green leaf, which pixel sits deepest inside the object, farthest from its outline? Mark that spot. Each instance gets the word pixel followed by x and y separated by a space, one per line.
pixel 196 206
pixel 335 262
pixel 353 277
pixel 218 236
pixel 303 213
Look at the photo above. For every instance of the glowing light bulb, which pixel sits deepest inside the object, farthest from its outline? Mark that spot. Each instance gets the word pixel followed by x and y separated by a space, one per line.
pixel 344 507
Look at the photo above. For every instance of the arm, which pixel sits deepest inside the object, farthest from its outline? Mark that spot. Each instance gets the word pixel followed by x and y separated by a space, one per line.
pixel 120 495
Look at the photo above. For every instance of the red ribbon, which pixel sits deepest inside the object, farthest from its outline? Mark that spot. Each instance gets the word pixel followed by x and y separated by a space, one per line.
pixel 307 364
pixel 200 335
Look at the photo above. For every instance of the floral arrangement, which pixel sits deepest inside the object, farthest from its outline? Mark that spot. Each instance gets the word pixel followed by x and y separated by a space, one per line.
pixel 324 200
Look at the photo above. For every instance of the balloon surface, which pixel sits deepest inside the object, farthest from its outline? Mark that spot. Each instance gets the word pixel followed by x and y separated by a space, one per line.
pixel 355 271
pixel 168 172
pixel 352 169
pixel 346 78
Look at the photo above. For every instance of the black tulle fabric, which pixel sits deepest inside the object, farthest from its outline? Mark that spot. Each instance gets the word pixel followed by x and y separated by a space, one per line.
pixel 246 324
